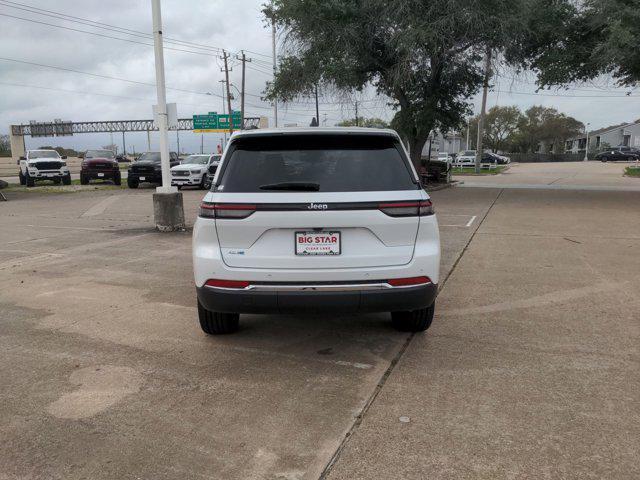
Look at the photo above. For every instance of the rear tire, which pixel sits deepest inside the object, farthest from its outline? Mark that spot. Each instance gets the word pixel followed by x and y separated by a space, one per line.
pixel 415 321
pixel 66 180
pixel 84 180
pixel 215 323
pixel 117 179
pixel 132 183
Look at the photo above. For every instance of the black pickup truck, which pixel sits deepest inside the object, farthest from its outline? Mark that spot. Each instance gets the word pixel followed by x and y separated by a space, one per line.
pixel 147 168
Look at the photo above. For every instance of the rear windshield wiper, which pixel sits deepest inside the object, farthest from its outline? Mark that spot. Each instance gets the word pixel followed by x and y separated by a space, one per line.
pixel 299 186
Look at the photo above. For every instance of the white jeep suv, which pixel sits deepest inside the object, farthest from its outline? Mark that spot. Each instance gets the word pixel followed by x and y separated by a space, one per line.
pixel 43 165
pixel 193 171
pixel 316 220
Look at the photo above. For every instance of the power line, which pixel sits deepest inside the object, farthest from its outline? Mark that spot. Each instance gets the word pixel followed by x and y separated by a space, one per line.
pixel 104 26
pixel 22 85
pixel 511 92
pixel 114 28
pixel 106 76
pixel 103 35
pixel 517 80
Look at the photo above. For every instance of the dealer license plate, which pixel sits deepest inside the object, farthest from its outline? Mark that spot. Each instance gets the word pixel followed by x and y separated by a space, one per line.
pixel 101 174
pixel 142 179
pixel 317 243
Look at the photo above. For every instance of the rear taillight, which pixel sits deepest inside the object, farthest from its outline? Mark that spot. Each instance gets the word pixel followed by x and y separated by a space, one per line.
pixel 238 284
pixel 409 282
pixel 407 209
pixel 226 210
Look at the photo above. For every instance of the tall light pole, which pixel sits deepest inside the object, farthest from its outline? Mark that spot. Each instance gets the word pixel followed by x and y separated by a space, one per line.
pixel 586 148
pixel 168 211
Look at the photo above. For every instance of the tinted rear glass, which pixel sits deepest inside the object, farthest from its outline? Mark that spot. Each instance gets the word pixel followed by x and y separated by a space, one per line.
pixel 336 163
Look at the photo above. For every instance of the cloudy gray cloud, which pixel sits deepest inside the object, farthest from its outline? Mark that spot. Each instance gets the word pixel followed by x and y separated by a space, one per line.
pixel 233 25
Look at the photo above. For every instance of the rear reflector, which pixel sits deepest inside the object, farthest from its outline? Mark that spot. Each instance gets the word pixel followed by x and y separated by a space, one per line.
pixel 227 283
pixel 226 210
pixel 407 282
pixel 407 209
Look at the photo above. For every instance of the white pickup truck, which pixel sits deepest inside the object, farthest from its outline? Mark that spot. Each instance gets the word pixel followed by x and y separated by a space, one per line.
pixel 43 165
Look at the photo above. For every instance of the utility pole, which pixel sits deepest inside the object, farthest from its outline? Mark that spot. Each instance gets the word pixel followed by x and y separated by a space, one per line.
pixel 224 106
pixel 167 201
pixel 202 143
pixel 124 145
pixel 225 56
pixel 244 61
pixel 357 121
pixel 273 47
pixel 148 141
pixel 485 90
pixel 178 140
pixel 317 108
pixel 468 147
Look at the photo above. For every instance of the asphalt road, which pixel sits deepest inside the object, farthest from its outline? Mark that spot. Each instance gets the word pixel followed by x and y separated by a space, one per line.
pixel 529 371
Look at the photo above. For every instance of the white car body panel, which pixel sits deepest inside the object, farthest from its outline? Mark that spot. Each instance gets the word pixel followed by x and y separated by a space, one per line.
pixel 261 247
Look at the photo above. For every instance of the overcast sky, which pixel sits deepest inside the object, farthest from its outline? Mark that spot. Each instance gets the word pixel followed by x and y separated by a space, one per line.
pixel 31 92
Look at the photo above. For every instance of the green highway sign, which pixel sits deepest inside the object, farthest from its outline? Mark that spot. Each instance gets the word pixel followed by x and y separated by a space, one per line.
pixel 214 122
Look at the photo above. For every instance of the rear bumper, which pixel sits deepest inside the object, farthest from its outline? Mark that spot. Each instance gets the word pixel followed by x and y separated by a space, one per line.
pixel 312 300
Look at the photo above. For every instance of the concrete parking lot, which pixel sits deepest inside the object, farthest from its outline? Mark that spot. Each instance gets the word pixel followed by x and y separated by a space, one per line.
pixel 531 369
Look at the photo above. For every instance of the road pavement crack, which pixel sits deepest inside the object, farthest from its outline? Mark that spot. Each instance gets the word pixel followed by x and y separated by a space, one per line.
pixel 396 359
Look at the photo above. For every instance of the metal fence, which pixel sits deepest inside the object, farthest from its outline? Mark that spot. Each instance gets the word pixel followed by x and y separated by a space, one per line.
pixel 549 157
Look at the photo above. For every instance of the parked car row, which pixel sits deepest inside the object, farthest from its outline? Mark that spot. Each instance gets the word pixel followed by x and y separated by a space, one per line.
pixel 467 158
pixel 621 153
pixel 102 164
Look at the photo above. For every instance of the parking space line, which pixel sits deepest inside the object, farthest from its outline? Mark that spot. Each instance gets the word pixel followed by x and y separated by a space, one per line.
pixel 69 228
pixel 100 207
pixel 470 222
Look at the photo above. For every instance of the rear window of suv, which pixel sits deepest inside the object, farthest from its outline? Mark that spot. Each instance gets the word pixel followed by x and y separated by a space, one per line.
pixel 332 163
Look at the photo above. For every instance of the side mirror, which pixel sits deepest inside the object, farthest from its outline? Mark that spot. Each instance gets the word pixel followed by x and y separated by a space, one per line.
pixel 64 157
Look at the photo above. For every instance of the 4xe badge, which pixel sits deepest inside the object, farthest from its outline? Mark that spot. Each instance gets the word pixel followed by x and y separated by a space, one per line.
pixel 318 206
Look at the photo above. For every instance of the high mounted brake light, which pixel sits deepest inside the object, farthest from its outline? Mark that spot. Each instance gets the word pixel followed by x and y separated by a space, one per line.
pixel 226 210
pixel 407 209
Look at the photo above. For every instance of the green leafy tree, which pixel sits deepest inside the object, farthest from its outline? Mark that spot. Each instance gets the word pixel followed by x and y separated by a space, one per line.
pixel 364 122
pixel 544 125
pixel 501 126
pixel 568 41
pixel 426 56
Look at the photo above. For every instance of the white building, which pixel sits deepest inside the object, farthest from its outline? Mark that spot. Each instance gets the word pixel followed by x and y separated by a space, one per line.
pixel 452 142
pixel 627 134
